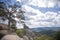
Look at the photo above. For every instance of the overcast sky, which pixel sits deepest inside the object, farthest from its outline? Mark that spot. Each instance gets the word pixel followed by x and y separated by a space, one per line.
pixel 42 13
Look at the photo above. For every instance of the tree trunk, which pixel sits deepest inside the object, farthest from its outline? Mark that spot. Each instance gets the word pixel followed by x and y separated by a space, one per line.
pixel 9 20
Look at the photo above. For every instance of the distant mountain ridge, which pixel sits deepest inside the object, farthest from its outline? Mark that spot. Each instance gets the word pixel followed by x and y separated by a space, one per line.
pixel 45 28
pixel 50 31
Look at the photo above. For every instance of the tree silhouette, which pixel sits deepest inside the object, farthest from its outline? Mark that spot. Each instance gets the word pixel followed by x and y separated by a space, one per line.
pixel 8 13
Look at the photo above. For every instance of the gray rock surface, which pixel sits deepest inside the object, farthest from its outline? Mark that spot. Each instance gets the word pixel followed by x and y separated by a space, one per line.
pixel 3 26
pixel 12 37
pixel 6 34
pixel 4 30
pixel 27 38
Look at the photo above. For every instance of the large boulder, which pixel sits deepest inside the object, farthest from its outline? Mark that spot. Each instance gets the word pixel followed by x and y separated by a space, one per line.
pixel 4 30
pixel 3 27
pixel 12 37
pixel 27 38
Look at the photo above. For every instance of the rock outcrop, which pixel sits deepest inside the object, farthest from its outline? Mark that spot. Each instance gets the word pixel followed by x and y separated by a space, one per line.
pixel 29 33
pixel 27 38
pixel 3 27
pixel 12 37
pixel 4 30
pixel 6 34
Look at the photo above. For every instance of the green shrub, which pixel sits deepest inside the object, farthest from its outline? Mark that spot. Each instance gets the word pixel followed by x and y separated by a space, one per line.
pixel 20 32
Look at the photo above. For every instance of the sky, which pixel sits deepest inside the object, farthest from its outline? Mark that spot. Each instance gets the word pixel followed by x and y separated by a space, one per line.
pixel 41 13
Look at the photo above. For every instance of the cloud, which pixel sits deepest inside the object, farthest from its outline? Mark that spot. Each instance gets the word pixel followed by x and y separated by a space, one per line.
pixel 59 12
pixel 35 18
pixel 39 3
pixel 58 3
pixel 29 9
pixel 39 19
pixel 43 3
pixel 18 0
pixel 46 24
pixel 51 4
pixel 19 25
pixel 57 20
pixel 50 15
